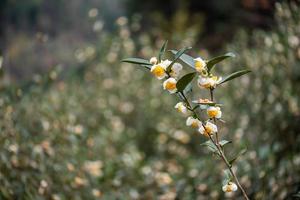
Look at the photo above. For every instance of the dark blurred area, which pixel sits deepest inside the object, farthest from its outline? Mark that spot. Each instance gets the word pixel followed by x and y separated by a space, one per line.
pixel 220 19
pixel 42 27
pixel 76 123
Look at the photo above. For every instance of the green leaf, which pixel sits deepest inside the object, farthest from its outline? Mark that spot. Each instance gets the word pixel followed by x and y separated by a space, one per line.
pixel 147 67
pixel 184 81
pixel 224 142
pixel 227 176
pixel 208 103
pixel 186 59
pixel 212 62
pixel 188 89
pixel 242 152
pixel 139 61
pixel 297 195
pixel 210 146
pixel 162 50
pixel 234 75
pixel 177 55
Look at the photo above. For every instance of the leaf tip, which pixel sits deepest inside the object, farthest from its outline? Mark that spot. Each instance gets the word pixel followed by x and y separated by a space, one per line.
pixel 231 54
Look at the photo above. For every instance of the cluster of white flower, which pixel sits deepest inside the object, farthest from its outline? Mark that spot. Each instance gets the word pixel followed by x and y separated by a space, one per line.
pixel 174 83
pixel 159 70
pixel 205 81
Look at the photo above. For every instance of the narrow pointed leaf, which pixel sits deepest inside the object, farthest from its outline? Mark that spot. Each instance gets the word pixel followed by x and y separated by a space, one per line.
pixel 188 89
pixel 208 103
pixel 224 142
pixel 186 59
pixel 162 50
pixel 139 61
pixel 297 195
pixel 227 176
pixel 234 75
pixel 147 66
pixel 242 152
pixel 212 62
pixel 210 146
pixel 184 81
pixel 177 55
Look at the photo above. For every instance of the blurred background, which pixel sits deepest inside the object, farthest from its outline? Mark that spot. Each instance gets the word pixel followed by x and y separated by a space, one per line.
pixel 76 123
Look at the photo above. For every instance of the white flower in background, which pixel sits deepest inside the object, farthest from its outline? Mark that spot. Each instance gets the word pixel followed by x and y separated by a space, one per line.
pixel 181 107
pixel 158 71
pixel 98 26
pixel 94 168
pixel 209 129
pixel 163 178
pixel 93 12
pixel 200 64
pixel 175 70
pixel 213 111
pixel 230 187
pixel 209 82
pixel 153 60
pixel 193 122
pixel 170 85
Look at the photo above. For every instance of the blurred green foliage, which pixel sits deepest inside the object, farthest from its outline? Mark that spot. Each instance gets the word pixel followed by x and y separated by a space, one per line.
pixel 270 115
pixel 107 130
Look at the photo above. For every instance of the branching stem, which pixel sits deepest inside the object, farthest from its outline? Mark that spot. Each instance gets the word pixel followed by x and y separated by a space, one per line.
pixel 216 142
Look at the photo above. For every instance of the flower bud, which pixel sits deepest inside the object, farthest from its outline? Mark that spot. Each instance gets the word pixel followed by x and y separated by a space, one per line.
pixel 181 107
pixel 153 60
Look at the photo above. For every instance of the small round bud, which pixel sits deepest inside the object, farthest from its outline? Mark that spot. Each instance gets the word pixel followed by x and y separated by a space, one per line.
pixel 204 73
pixel 153 60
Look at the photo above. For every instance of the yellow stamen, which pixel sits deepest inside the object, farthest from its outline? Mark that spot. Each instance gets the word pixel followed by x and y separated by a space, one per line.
pixel 215 78
pixel 212 113
pixel 194 124
pixel 158 71
pixel 170 85
pixel 199 66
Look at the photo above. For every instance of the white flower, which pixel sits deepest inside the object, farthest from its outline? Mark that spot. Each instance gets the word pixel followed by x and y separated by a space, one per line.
pixel 230 187
pixel 204 82
pixel 181 107
pixel 193 122
pixel 209 82
pixel 209 129
pixel 163 178
pixel 158 71
pixel 200 64
pixel 213 111
pixel 153 60
pixel 170 85
pixel 165 63
pixel 175 69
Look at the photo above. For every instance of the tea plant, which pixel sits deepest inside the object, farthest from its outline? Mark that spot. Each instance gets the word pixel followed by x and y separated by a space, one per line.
pixel 181 86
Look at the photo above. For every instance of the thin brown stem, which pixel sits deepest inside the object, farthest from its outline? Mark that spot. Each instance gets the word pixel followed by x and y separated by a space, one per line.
pixel 211 94
pixel 229 166
pixel 216 143
pixel 211 90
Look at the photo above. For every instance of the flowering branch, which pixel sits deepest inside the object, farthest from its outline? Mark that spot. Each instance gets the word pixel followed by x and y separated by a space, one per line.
pixel 170 71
